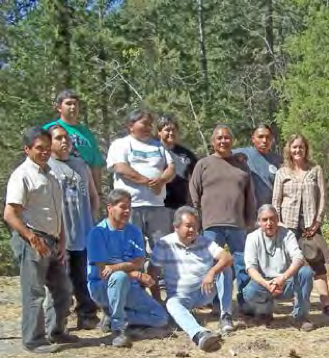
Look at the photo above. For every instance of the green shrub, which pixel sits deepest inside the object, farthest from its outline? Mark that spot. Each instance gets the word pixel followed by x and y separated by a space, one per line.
pixel 8 264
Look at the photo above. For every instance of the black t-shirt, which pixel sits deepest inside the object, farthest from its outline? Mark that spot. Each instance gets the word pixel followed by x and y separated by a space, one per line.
pixel 177 189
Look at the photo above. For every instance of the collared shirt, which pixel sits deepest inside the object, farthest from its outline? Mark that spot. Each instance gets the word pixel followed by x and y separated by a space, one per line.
pixel 108 245
pixel 291 197
pixel 271 256
pixel 40 195
pixel 184 266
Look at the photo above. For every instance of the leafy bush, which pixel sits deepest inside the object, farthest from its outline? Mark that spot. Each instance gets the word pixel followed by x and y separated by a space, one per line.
pixel 8 265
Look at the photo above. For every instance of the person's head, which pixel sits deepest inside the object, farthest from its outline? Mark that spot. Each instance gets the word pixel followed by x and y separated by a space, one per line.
pixel 60 142
pixel 186 224
pixel 262 138
pixel 268 219
pixel 67 104
pixel 140 124
pixel 118 207
pixel 222 139
pixel 167 127
pixel 37 145
pixel 296 151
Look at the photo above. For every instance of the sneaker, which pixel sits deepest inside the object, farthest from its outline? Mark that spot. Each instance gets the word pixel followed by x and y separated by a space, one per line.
pixel 304 324
pixel 43 348
pixel 121 340
pixel 87 323
pixel 226 324
pixel 63 338
pixel 207 341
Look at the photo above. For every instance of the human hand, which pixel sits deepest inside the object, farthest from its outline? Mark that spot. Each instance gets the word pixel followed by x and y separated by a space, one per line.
pixel 146 280
pixel 39 245
pixel 106 272
pixel 207 284
pixel 311 231
pixel 61 252
pixel 156 185
pixel 277 285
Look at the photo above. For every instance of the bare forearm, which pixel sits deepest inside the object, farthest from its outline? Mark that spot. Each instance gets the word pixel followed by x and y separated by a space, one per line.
pixel 293 269
pixel 127 267
pixel 97 177
pixel 129 173
pixel 168 174
pixel 256 276
pixel 15 222
pixel 224 260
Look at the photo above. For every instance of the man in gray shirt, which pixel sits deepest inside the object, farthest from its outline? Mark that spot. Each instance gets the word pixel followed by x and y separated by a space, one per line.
pixel 80 201
pixel 275 265
pixel 33 212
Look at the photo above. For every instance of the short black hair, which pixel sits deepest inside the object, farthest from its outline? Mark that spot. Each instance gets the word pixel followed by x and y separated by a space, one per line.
pixel 166 119
pixel 262 126
pixel 51 129
pixel 67 93
pixel 116 195
pixel 33 133
pixel 138 114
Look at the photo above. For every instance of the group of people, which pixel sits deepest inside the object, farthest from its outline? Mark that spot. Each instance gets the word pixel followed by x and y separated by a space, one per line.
pixel 174 222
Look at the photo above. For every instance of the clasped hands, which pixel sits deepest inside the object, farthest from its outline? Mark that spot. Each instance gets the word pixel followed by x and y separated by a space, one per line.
pixel 155 184
pixel 311 231
pixel 276 285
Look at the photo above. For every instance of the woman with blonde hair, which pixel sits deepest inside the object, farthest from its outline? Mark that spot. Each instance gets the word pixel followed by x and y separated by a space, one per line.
pixel 299 196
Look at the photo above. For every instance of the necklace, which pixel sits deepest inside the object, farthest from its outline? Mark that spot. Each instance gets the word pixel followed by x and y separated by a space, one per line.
pixel 272 249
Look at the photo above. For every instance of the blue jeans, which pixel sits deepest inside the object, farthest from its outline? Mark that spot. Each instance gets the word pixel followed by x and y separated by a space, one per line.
pixel 260 301
pixel 235 238
pixel 126 302
pixel 179 306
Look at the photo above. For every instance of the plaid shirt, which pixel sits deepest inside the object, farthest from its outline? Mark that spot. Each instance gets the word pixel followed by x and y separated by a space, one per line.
pixel 290 195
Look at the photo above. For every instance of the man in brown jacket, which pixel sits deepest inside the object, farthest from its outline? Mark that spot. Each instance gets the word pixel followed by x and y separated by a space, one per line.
pixel 221 188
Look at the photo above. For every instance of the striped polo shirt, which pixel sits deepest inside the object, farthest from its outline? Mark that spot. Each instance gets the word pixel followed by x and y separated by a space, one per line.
pixel 184 267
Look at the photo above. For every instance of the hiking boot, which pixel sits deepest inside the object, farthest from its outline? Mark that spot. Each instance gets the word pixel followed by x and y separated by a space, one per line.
pixel 265 319
pixel 121 340
pixel 105 323
pixel 63 338
pixel 45 348
pixel 304 324
pixel 226 323
pixel 207 341
pixel 87 323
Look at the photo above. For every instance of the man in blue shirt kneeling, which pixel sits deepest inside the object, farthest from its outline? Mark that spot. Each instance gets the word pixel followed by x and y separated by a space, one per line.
pixel 116 255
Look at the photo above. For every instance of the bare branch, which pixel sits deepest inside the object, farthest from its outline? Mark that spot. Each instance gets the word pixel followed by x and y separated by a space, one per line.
pixel 204 142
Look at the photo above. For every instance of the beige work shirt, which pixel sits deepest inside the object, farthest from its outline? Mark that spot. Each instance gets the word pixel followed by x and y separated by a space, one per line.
pixel 39 193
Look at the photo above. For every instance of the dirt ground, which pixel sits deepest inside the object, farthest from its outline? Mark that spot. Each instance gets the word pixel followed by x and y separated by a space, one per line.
pixel 277 340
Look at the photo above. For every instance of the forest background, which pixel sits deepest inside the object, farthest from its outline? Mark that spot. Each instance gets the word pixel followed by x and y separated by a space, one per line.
pixel 238 62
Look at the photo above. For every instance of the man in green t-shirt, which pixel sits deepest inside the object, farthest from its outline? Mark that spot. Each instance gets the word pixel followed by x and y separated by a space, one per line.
pixel 83 140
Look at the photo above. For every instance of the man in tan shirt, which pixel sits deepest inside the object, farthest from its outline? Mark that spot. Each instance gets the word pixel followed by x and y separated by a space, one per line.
pixel 33 212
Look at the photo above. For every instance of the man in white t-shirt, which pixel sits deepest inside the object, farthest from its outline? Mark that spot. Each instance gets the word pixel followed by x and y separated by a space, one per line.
pixel 191 277
pixel 143 167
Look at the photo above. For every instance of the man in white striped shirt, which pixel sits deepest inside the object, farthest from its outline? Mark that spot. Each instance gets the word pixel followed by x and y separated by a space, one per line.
pixel 191 277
